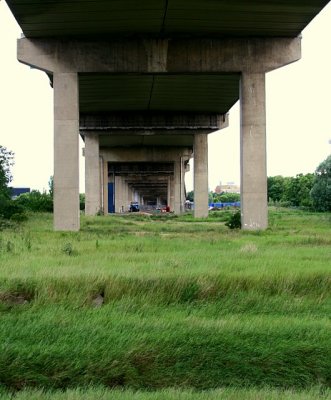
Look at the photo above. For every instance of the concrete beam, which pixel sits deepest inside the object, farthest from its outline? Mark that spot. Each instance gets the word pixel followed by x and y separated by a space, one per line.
pixel 149 154
pixel 66 162
pixel 145 122
pixel 159 56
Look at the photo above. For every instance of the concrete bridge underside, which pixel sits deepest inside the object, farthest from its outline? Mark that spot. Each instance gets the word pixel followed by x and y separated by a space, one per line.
pixel 146 84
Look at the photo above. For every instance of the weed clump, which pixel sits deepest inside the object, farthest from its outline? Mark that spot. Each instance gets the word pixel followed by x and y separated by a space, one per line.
pixel 234 221
pixel 68 249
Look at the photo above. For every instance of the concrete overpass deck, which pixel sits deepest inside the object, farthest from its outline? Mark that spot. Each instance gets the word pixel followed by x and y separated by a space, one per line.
pixel 163 18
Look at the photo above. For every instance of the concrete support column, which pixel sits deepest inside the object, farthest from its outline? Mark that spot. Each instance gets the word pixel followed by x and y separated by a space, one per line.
pixel 127 199
pixel 92 175
pixel 177 187
pixel 172 193
pixel 118 193
pixel 182 186
pixel 130 195
pixel 105 187
pixel 121 194
pixel 169 192
pixel 66 161
pixel 254 212
pixel 200 175
pixel 124 194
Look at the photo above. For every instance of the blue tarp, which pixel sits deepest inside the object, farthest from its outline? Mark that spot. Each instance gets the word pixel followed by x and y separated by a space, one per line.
pixel 222 205
pixel 15 192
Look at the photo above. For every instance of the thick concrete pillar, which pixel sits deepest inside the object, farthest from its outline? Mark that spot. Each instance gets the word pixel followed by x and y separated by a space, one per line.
pixel 200 153
pixel 105 187
pixel 66 161
pixel 254 212
pixel 121 194
pixel 92 175
pixel 171 189
pixel 177 186
pixel 118 194
pixel 182 186
pixel 169 193
pixel 126 198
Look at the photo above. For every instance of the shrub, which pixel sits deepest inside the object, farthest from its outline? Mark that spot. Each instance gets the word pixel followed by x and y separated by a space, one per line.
pixel 9 208
pixel 234 221
pixel 35 201
pixel 82 201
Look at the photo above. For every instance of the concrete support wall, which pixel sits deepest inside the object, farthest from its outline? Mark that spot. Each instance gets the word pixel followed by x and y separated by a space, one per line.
pixel 92 175
pixel 254 212
pixel 200 176
pixel 66 161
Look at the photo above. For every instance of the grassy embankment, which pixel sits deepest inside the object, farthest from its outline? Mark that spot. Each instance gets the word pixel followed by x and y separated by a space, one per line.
pixel 186 304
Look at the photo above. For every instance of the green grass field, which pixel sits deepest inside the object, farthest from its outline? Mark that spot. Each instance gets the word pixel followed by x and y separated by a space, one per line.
pixel 138 307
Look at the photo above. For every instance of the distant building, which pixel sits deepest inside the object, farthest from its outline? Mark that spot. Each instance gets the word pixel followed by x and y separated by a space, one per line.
pixel 15 192
pixel 229 187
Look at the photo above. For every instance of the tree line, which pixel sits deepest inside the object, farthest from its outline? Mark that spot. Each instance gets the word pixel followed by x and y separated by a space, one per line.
pixel 311 191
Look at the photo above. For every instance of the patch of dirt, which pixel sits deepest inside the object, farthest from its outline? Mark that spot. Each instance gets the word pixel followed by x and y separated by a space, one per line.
pixel 14 299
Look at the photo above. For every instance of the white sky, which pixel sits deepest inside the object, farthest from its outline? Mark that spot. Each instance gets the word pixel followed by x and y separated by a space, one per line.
pixel 298 113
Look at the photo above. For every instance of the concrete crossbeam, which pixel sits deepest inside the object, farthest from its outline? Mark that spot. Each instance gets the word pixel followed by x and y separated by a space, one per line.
pixel 159 56
pixel 160 123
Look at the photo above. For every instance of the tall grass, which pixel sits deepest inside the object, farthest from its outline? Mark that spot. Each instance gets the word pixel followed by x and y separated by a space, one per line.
pixel 184 303
pixel 171 394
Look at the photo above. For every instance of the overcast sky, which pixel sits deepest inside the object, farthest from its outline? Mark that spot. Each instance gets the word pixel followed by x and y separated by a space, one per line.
pixel 298 113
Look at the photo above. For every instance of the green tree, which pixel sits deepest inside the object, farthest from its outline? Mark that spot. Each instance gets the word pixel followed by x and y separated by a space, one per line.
pixel 225 197
pixel 8 207
pixel 276 187
pixel 321 190
pixel 229 197
pixel 35 201
pixel 6 162
pixel 51 186
pixel 190 195
pixel 297 190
